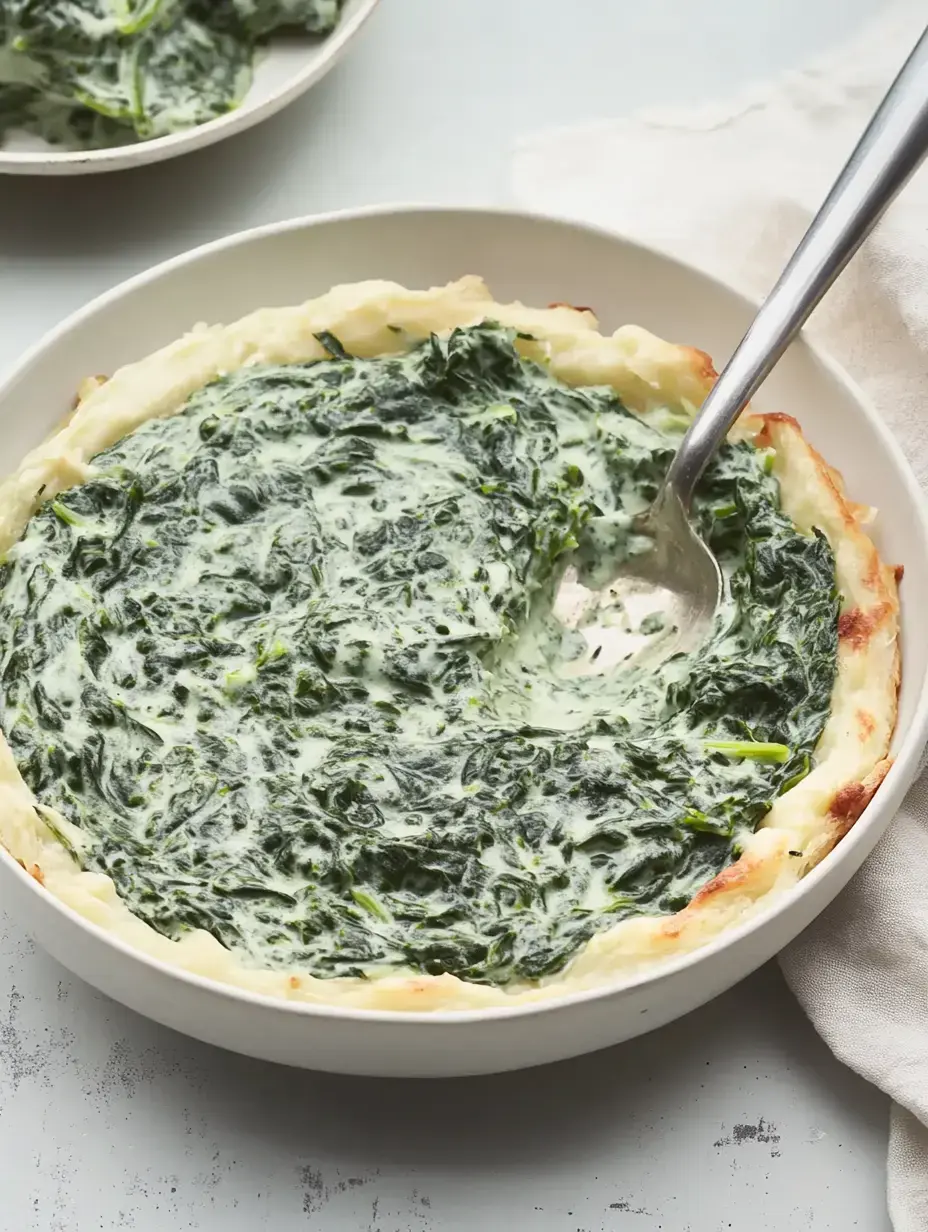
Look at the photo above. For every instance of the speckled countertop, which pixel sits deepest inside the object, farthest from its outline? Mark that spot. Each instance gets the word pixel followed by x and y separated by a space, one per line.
pixel 736 1117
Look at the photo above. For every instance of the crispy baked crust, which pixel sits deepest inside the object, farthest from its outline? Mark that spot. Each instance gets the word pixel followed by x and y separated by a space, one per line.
pixel 377 318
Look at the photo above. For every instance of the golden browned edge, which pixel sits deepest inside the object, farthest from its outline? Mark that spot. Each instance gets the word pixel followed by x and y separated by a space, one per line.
pixel 856 627
pixel 703 367
pixel 33 870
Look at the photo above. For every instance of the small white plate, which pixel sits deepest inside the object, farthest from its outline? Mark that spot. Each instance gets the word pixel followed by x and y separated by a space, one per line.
pixel 284 71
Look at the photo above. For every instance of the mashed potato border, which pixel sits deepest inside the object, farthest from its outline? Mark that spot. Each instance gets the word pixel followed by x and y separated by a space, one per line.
pixel 377 318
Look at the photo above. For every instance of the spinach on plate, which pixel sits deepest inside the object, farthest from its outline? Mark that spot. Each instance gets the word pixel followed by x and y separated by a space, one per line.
pixel 95 73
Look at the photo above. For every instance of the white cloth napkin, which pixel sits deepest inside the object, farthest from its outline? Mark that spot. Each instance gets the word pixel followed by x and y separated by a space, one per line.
pixel 861 970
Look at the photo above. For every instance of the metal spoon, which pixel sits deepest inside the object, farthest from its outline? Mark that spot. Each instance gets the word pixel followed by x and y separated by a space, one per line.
pixel 677 577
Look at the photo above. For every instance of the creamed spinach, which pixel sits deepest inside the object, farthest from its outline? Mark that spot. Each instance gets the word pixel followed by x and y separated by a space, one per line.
pixel 94 73
pixel 288 660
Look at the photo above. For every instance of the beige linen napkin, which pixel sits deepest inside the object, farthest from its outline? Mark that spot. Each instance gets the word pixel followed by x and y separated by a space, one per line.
pixel 861 970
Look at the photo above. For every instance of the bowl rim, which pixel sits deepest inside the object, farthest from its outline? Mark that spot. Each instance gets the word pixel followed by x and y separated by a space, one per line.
pixel 242 117
pixel 903 770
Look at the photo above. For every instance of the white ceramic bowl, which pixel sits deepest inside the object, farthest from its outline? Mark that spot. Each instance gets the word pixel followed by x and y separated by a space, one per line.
pixel 537 260
pixel 284 70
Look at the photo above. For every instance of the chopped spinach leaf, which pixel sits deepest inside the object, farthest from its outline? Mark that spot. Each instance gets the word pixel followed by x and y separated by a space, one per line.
pixel 288 660
pixel 95 73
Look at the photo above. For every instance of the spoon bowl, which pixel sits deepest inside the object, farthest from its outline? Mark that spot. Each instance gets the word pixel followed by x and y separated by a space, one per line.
pixel 659 602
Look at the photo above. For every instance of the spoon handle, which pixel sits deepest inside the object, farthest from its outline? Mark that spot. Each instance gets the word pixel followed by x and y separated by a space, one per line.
pixel 895 142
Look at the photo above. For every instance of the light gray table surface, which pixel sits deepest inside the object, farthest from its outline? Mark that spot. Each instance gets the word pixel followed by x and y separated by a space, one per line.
pixel 736 1117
